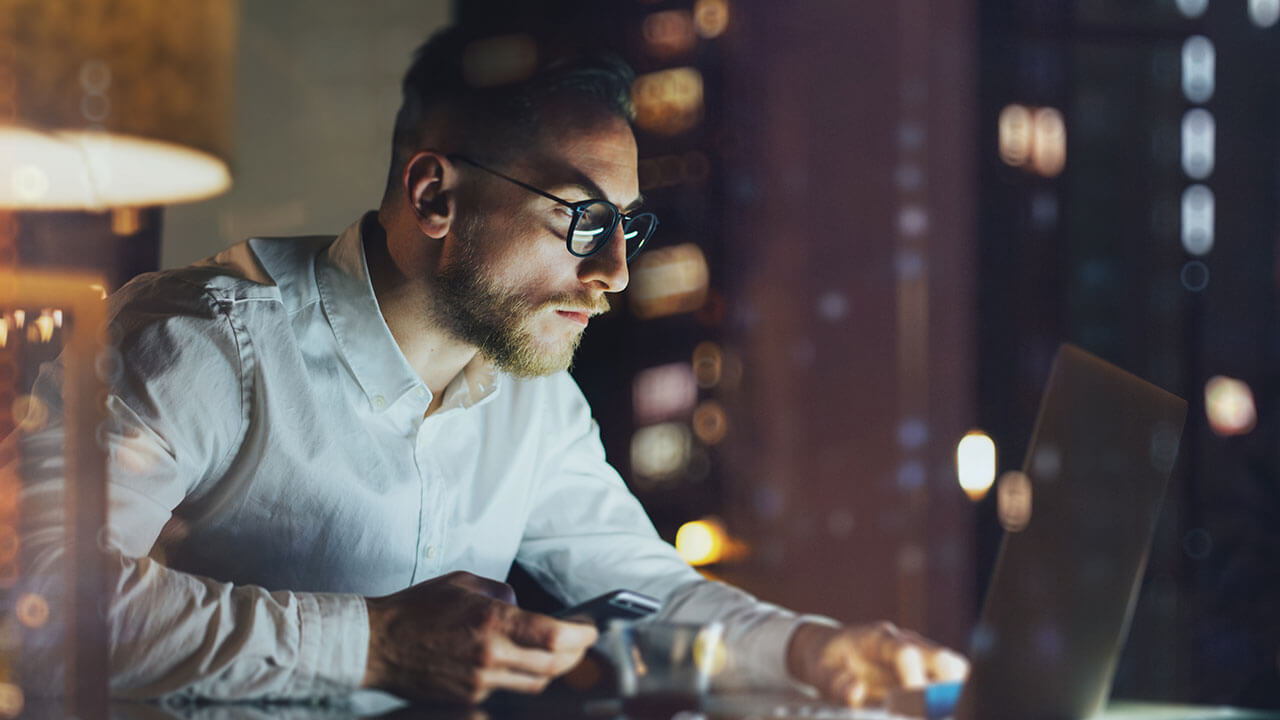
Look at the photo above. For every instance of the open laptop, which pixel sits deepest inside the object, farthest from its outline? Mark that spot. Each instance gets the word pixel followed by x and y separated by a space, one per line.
pixel 1064 587
pixel 1058 606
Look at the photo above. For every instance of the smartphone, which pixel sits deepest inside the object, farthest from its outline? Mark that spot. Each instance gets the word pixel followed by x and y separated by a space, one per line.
pixel 619 604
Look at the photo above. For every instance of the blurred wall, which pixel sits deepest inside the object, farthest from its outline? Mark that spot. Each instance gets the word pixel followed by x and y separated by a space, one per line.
pixel 317 87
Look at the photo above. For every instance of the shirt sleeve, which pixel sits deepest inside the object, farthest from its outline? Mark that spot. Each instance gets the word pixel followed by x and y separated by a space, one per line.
pixel 175 418
pixel 587 535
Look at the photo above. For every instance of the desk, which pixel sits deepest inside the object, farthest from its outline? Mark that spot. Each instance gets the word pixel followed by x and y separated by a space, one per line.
pixel 366 705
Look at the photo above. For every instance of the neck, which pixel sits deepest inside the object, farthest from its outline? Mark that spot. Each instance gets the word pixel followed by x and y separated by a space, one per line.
pixel 406 301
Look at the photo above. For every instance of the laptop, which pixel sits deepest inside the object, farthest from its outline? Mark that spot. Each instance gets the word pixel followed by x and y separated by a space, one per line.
pixel 1063 591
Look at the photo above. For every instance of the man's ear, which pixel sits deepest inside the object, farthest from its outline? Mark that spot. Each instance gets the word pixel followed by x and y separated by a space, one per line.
pixel 429 180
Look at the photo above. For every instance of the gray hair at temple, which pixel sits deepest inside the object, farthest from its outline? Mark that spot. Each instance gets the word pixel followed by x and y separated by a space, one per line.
pixel 484 94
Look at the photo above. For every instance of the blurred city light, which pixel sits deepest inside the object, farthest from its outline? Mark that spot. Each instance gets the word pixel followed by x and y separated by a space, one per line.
pixel 711 17
pixel 668 102
pixel 976 464
pixel 1033 138
pixel 661 452
pixel 11 701
pixel 1015 135
pixel 1229 405
pixel 663 392
pixel 701 542
pixel 710 422
pixel 1197 143
pixel 1264 13
pixel 668 281
pixel 1197 69
pixel 32 610
pixel 1192 8
pixel 1197 219
pixel 708 363
pixel 669 33
pixel 1013 500
pixel 706 541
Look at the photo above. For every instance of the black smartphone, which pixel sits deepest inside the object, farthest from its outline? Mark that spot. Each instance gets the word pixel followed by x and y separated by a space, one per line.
pixel 619 604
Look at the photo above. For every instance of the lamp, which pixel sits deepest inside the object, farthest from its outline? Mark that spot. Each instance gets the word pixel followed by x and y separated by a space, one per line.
pixel 114 103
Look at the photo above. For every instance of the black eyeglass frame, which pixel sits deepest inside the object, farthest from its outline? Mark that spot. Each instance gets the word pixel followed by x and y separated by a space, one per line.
pixel 578 209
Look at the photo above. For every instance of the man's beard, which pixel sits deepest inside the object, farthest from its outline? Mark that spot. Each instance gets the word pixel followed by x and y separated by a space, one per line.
pixel 474 309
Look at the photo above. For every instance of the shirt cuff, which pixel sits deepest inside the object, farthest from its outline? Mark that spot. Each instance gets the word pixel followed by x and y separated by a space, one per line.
pixel 333 643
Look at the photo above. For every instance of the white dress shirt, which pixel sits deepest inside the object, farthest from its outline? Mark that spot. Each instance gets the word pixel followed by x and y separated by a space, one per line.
pixel 270 465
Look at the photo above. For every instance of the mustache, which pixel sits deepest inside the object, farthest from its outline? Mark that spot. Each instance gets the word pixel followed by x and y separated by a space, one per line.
pixel 578 303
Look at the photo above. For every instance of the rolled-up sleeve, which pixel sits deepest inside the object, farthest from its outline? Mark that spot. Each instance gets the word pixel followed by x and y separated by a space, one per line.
pixel 176 418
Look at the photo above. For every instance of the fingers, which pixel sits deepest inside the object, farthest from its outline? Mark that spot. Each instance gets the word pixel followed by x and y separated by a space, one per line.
pixel 484 586
pixel 545 632
pixel 863 664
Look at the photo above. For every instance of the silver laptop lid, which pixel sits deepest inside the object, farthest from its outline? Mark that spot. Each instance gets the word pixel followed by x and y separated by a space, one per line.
pixel 1064 587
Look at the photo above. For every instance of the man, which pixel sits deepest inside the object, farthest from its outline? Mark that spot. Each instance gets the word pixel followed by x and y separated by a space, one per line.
pixel 337 445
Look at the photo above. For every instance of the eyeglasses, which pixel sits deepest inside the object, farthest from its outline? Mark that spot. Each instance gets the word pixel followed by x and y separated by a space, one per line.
pixel 594 221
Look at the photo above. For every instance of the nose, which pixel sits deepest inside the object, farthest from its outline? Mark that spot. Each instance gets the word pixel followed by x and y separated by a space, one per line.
pixel 607 269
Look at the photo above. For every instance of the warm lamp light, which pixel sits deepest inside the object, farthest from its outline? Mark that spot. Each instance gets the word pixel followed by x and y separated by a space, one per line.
pixel 114 103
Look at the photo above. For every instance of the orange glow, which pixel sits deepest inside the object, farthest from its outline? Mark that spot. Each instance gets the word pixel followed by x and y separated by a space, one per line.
pixel 9 544
pixel 976 464
pixel 29 413
pixel 669 33
pixel 668 102
pixel 711 17
pixel 708 362
pixel 1033 138
pixel 1229 405
pixel 32 610
pixel 701 542
pixel 710 422
pixel 4 332
pixel 668 281
pixel 11 701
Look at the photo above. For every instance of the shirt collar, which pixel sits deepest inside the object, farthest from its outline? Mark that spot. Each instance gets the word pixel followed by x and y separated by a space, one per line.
pixel 365 341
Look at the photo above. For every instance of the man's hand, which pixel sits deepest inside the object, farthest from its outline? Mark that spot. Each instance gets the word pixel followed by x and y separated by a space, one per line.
pixel 857 665
pixel 459 637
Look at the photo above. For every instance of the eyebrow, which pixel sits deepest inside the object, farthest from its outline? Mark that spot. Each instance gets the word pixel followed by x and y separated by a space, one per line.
pixel 592 191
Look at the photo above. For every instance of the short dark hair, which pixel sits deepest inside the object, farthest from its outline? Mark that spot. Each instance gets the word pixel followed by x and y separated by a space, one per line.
pixel 492 89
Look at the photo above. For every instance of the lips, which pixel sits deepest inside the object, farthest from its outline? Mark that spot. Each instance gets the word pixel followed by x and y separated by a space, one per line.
pixel 576 316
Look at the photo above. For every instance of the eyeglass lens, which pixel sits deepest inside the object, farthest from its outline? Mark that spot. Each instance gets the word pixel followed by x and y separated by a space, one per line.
pixel 596 222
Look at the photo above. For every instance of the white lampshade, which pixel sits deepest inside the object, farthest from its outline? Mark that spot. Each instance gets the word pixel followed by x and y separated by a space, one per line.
pixel 114 103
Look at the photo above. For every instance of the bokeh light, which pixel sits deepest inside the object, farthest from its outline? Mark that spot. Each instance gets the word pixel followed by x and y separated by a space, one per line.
pixel 1033 138
pixel 1198 60
pixel 702 542
pixel 663 392
pixel 32 610
pixel 669 33
pixel 976 464
pixel 711 17
pixel 1229 405
pixel 1197 219
pixel 708 363
pixel 1198 143
pixel 11 700
pixel 1013 500
pixel 1264 13
pixel 661 452
pixel 710 422
pixel 668 102
pixel 668 281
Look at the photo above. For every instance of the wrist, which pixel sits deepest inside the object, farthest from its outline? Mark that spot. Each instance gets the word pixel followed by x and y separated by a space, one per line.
pixel 375 665
pixel 804 648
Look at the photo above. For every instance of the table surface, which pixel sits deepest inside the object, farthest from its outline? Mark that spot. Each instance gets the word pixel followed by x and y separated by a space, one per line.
pixel 371 704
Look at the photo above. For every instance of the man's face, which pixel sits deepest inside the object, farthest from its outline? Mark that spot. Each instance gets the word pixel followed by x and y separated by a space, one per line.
pixel 507 283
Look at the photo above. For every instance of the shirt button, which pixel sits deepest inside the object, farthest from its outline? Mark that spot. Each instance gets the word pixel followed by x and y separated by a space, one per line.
pixel 379 402
pixel 421 392
pixel 430 552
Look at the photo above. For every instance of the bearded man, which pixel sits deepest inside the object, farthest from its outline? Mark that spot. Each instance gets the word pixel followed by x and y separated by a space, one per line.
pixel 346 442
